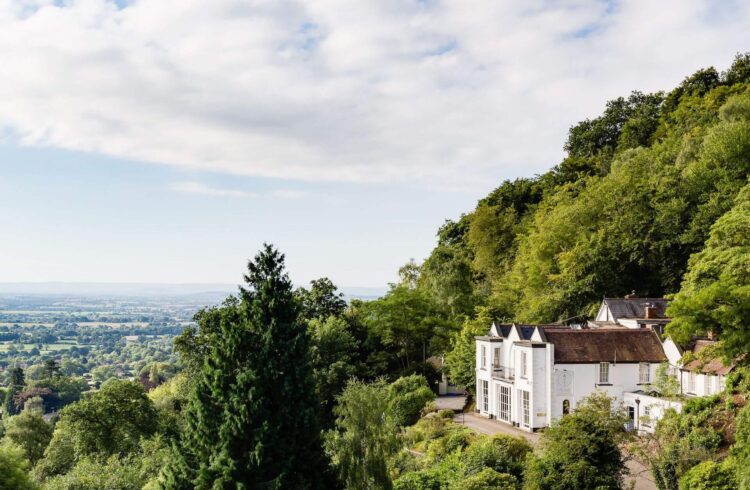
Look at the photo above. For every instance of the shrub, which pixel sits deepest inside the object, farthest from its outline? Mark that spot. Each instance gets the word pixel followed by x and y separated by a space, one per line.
pixel 489 479
pixel 709 475
pixel 504 454
pixel 420 480
pixel 407 397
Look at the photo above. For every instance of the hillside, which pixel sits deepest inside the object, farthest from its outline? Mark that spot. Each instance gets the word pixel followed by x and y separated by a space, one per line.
pixel 634 199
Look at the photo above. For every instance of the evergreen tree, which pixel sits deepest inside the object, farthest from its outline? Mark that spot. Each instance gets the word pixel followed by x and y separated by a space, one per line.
pixel 251 421
pixel 17 383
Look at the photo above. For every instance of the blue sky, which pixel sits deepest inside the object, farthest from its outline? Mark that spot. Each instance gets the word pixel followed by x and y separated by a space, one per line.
pixel 152 141
pixel 72 216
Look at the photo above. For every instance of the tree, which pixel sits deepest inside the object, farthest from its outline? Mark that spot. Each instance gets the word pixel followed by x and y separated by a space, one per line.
pixel 252 420
pixel 30 432
pixel 51 369
pixel 332 358
pixel 13 468
pixel 461 360
pixel 665 383
pixel 580 450
pixel 364 438
pixel 715 295
pixel 410 326
pixel 111 421
pixel 321 301
pixel 683 440
pixel 17 383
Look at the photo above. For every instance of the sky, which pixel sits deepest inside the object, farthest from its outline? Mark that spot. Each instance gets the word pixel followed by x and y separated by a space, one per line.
pixel 153 141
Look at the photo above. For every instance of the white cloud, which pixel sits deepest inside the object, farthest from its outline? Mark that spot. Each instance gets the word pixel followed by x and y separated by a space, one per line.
pixel 449 93
pixel 205 190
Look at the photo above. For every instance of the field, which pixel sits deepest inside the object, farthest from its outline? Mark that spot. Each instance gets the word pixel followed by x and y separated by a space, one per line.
pixel 56 347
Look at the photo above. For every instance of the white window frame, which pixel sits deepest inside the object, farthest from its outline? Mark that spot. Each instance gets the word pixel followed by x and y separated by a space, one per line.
pixel 708 384
pixel 486 395
pixel 604 373
pixel 525 408
pixel 647 415
pixel 524 362
pixel 644 373
pixel 483 357
pixel 496 358
pixel 503 409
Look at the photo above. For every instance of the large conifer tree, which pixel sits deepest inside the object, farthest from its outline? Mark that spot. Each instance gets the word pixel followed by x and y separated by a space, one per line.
pixel 251 422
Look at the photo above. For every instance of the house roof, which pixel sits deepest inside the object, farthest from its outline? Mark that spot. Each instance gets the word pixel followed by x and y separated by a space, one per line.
pixel 526 331
pixel 605 345
pixel 635 307
pixel 711 366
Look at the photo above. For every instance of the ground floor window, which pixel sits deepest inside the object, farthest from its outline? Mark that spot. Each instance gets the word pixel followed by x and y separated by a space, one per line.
pixel 504 403
pixel 485 395
pixel 526 408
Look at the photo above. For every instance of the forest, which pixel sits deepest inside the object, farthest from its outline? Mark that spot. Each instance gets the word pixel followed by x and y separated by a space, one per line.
pixel 296 388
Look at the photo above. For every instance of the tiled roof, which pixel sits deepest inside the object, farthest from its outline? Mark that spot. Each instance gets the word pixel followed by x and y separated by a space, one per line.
pixel 605 345
pixel 635 307
pixel 526 331
pixel 712 366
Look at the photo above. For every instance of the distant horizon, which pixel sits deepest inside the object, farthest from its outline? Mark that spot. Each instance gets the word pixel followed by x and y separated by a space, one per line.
pixel 106 288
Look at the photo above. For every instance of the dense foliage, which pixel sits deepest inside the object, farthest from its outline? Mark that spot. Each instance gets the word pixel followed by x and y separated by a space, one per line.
pixel 256 373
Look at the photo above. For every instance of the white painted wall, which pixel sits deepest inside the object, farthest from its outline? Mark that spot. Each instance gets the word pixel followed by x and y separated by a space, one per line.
pixel 655 407
pixel 705 384
pixel 672 352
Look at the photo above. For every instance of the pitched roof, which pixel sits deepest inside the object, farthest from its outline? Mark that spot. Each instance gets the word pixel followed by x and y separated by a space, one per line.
pixel 526 331
pixel 635 307
pixel 712 366
pixel 605 345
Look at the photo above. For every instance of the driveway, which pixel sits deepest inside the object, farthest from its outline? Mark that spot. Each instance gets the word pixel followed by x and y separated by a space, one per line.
pixel 639 474
pixel 452 402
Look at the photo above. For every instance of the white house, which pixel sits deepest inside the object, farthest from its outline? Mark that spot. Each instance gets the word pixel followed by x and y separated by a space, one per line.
pixel 701 377
pixel 632 312
pixel 530 375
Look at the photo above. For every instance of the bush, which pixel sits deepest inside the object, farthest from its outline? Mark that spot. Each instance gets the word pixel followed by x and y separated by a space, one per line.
pixel 709 475
pixel 446 414
pixel 420 480
pixel 407 397
pixel 504 454
pixel 489 479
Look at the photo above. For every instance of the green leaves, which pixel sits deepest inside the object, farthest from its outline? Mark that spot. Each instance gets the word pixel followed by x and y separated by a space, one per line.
pixel 715 295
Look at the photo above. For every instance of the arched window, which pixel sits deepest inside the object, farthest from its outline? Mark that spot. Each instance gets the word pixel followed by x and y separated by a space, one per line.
pixel 566 407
